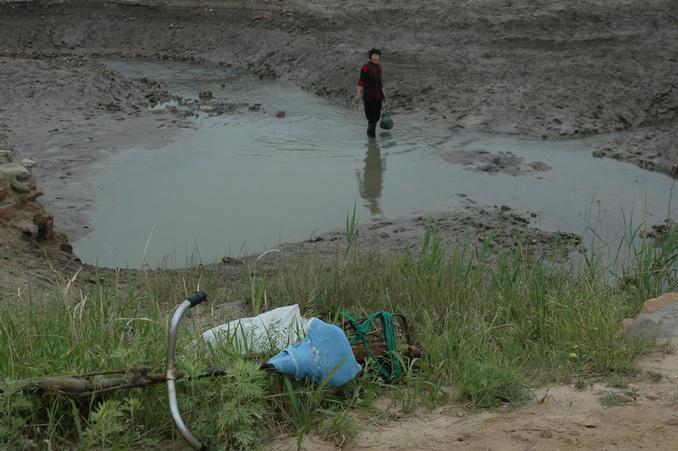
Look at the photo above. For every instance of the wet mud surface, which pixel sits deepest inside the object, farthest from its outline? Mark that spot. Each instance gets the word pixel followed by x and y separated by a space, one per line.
pixel 493 163
pixel 552 69
pixel 547 70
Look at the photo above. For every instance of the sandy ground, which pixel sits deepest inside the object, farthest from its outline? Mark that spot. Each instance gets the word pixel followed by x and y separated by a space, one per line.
pixel 558 418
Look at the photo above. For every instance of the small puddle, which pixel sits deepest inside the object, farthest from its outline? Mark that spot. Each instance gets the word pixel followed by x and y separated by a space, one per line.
pixel 244 182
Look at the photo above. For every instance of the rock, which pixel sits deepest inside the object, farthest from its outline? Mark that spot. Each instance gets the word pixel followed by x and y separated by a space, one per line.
pixel 280 114
pixel 598 153
pixel 14 170
pixel 654 304
pixel 545 434
pixel 19 187
pixel 626 323
pixel 66 248
pixel 505 208
pixel 29 229
pixel 45 227
pixel 205 94
pixel 661 321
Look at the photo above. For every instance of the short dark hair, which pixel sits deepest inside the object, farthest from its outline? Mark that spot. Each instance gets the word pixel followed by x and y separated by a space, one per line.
pixel 371 52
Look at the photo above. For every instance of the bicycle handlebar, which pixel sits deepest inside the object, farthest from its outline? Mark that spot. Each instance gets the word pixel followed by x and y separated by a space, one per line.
pixel 193 300
pixel 196 298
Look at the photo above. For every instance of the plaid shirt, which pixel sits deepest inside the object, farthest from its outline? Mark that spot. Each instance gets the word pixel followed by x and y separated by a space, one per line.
pixel 370 80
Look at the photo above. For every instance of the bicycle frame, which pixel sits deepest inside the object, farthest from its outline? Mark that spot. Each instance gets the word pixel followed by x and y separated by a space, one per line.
pixel 98 383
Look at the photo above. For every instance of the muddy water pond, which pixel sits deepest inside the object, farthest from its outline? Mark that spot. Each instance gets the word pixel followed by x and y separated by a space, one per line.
pixel 245 181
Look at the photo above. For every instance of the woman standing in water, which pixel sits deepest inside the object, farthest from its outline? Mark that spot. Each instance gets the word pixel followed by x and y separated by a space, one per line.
pixel 371 90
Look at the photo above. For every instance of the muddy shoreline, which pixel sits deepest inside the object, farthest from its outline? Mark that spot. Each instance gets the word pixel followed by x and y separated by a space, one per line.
pixel 541 70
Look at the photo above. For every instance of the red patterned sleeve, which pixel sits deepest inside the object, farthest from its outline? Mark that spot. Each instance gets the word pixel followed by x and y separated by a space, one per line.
pixel 363 75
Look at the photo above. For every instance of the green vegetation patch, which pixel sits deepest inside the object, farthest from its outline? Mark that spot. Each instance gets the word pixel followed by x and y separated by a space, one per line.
pixel 490 326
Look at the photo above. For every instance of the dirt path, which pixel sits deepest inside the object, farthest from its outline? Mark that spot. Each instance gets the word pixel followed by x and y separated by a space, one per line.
pixel 559 418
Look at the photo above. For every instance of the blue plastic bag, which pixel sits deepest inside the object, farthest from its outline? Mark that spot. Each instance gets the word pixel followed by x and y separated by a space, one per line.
pixel 324 355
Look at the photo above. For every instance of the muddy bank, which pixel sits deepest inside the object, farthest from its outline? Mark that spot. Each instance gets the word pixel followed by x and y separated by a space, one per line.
pixel 653 148
pixel 31 251
pixel 498 226
pixel 543 69
pixel 67 112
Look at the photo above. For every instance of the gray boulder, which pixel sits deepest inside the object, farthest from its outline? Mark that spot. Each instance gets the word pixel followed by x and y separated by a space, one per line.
pixel 659 323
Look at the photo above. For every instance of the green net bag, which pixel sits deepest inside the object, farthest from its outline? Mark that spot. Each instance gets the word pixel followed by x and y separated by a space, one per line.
pixel 386 120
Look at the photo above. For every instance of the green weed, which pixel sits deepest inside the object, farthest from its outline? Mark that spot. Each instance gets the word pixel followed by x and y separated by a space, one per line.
pixel 351 228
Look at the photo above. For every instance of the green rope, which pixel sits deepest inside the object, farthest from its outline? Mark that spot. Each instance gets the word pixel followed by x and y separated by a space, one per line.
pixel 360 336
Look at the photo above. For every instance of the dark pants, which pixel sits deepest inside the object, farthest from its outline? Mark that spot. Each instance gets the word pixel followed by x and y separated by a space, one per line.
pixel 372 113
pixel 373 110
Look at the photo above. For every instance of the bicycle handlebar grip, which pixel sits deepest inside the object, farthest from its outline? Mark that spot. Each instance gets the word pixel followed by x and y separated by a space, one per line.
pixel 196 298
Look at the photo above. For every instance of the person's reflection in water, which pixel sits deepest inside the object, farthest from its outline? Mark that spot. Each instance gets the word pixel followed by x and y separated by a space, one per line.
pixel 370 181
